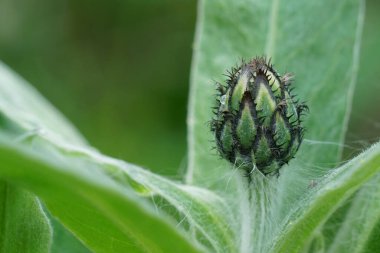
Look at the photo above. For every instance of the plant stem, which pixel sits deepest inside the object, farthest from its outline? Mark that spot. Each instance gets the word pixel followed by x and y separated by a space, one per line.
pixel 255 210
pixel 245 214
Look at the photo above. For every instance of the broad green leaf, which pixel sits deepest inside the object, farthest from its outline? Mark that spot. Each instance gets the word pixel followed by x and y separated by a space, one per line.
pixel 364 116
pixel 207 214
pixel 319 42
pixel 326 197
pixel 316 40
pixel 64 241
pixel 103 201
pixel 24 226
pixel 362 217
pixel 21 103
pixel 373 241
pixel 106 216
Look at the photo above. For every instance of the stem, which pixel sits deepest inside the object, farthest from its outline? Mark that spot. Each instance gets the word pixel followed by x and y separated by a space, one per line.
pixel 245 214
pixel 255 210
pixel 262 189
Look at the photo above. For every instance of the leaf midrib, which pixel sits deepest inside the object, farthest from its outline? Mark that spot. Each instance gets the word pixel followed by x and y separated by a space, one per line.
pixel 272 31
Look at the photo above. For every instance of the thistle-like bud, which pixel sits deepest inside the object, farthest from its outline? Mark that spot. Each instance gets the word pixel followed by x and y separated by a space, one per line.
pixel 257 120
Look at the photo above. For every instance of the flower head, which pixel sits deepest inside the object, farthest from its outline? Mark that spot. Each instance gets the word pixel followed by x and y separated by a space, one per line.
pixel 257 119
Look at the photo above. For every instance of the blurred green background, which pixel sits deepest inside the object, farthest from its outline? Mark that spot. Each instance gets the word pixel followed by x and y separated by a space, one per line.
pixel 119 70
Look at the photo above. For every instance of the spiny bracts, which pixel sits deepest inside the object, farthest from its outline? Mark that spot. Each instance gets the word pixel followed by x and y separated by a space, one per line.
pixel 257 121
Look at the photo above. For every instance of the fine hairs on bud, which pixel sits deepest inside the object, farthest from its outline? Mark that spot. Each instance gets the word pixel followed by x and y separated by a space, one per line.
pixel 257 119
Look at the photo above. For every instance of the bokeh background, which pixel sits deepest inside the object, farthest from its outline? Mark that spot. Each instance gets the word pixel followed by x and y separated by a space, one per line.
pixel 119 70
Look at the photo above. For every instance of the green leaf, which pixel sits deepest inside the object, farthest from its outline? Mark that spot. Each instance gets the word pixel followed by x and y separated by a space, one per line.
pixel 316 40
pixel 103 201
pixel 363 217
pixel 64 241
pixel 326 197
pixel 24 226
pixel 319 42
pixel 22 104
pixel 108 217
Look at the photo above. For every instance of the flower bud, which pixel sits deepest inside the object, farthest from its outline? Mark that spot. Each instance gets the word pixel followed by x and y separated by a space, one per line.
pixel 257 121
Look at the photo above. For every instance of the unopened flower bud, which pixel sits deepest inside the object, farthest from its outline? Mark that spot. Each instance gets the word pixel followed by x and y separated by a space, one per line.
pixel 257 121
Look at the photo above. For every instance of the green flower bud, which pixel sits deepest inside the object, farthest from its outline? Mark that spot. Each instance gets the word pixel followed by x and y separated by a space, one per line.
pixel 257 120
